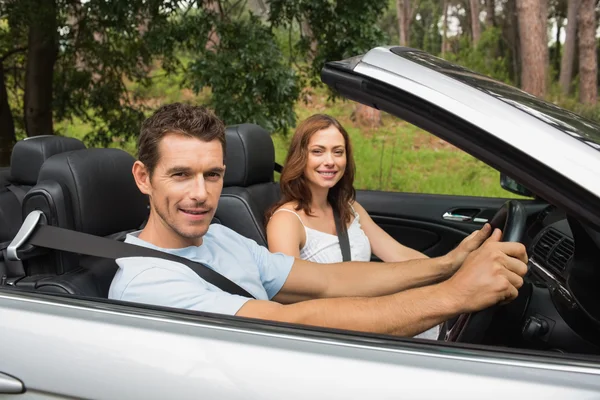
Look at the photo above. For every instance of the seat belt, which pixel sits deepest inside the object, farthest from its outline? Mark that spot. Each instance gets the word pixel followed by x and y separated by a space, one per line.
pixel 18 192
pixel 342 234
pixel 56 238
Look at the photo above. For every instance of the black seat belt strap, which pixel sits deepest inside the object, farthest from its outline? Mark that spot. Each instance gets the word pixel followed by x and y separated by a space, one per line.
pixel 56 238
pixel 342 234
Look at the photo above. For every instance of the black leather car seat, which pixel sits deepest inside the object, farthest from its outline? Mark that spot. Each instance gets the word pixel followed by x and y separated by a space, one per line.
pixel 249 189
pixel 90 191
pixel 27 158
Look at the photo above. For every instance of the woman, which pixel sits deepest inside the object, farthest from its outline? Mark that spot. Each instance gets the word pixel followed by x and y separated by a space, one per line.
pixel 318 176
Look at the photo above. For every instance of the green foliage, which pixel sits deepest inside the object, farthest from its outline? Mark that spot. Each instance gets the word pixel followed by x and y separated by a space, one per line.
pixel 484 57
pixel 248 75
pixel 100 45
pixel 424 29
pixel 109 53
pixel 339 29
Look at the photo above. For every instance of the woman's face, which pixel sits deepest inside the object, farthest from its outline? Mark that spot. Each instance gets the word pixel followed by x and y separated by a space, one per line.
pixel 326 158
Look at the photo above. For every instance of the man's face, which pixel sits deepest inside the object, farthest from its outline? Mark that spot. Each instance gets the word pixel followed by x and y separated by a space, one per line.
pixel 184 190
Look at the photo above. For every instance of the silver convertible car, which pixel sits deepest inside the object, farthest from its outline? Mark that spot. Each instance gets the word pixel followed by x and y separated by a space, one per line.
pixel 60 336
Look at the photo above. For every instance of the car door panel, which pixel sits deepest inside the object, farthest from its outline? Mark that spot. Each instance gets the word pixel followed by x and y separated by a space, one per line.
pixel 431 223
pixel 108 352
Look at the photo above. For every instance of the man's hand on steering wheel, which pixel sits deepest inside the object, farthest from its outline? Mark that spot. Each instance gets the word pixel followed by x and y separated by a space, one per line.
pixel 468 244
pixel 491 274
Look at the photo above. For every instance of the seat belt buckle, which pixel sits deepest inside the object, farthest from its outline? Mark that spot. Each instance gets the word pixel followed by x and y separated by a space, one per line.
pixel 33 219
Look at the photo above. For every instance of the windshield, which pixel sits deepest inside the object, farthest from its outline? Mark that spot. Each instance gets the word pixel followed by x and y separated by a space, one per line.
pixel 564 120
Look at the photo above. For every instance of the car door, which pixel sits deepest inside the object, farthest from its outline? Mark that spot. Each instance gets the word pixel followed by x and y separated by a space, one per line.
pixel 433 223
pixel 55 347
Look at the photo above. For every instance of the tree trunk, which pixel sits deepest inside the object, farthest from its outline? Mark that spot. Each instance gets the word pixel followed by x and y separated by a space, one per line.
pixel 490 13
pixel 307 31
pixel 513 38
pixel 544 20
pixel 7 125
pixel 475 23
pixel 212 6
pixel 39 72
pixel 403 10
pixel 568 56
pixel 445 29
pixel 366 116
pixel 588 80
pixel 534 46
pixel 557 49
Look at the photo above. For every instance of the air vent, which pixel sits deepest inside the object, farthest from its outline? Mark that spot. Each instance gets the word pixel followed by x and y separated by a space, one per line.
pixel 544 246
pixel 561 255
pixel 554 249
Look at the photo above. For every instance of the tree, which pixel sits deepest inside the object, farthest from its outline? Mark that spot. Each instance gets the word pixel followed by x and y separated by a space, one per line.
pixel 248 76
pixel 42 49
pixel 425 29
pixel 568 56
pixel 513 39
pixel 341 28
pixel 588 67
pixel 475 23
pixel 59 66
pixel 490 13
pixel 405 16
pixel 445 29
pixel 533 22
pixel 72 59
pixel 558 11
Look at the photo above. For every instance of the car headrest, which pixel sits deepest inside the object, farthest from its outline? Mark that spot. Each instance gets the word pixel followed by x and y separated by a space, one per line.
pixel 250 155
pixel 103 194
pixel 29 154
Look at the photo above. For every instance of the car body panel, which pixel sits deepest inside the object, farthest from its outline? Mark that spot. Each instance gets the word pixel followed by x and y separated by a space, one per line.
pixel 110 353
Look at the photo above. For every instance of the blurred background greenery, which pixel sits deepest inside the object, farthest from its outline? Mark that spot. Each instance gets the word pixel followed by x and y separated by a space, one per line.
pixel 94 69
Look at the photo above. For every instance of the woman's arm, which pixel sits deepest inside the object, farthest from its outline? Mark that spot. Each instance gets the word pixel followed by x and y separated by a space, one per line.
pixel 285 234
pixel 382 244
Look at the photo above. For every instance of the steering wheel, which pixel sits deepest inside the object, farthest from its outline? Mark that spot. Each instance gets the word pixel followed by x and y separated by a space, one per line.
pixel 511 218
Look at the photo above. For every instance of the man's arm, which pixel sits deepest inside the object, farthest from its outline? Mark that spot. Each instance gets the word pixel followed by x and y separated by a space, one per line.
pixel 404 314
pixel 491 274
pixel 309 280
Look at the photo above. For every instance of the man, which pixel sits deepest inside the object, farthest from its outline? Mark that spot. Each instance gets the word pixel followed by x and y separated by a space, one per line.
pixel 181 167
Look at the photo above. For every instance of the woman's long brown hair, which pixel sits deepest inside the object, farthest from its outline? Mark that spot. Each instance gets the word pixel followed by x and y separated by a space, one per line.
pixel 293 184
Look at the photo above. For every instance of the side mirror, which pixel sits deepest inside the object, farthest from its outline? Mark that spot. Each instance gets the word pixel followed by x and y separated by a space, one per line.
pixel 513 186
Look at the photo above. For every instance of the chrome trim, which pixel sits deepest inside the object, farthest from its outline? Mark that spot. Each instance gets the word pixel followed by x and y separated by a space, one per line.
pixel 27 228
pixel 10 385
pixel 550 277
pixel 480 220
pixel 592 370
pixel 455 217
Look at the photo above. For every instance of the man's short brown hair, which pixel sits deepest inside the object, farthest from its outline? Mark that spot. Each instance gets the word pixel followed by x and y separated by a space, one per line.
pixel 184 119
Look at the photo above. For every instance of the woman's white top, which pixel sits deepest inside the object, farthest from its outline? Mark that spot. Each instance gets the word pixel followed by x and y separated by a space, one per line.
pixel 324 248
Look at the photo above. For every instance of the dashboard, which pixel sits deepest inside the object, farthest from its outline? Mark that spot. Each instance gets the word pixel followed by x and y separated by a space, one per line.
pixel 559 311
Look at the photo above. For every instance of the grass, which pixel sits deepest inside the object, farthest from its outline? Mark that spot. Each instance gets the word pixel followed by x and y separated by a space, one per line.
pixel 396 156
pixel 400 157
